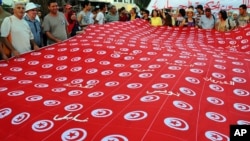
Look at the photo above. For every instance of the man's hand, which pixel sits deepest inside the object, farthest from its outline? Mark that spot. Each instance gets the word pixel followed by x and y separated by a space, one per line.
pixel 36 47
pixel 5 57
pixel 16 53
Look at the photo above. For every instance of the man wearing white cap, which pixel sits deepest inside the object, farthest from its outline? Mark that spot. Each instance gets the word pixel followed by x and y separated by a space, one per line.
pixel 21 35
pixel 34 24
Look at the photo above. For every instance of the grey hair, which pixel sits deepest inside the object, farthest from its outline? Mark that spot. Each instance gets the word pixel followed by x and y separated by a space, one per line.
pixel 18 3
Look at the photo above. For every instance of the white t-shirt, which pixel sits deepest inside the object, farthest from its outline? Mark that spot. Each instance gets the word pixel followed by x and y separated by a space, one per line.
pixel 20 33
pixel 100 18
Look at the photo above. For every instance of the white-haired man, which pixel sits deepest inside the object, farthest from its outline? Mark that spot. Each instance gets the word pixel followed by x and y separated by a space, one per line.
pixel 20 32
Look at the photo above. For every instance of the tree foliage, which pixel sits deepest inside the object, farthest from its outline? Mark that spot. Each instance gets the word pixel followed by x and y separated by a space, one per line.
pixel 142 4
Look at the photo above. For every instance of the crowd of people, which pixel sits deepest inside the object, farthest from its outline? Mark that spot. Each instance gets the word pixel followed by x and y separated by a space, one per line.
pixel 26 30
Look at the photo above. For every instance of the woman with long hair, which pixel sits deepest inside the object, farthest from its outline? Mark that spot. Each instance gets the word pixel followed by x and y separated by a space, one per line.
pixel 224 24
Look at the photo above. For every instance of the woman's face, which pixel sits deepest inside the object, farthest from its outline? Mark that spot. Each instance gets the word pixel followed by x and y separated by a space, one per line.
pixel 235 16
pixel 190 14
pixel 219 16
pixel 73 16
pixel 155 13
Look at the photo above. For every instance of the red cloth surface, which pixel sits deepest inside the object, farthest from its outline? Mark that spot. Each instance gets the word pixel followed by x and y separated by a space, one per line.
pixel 129 81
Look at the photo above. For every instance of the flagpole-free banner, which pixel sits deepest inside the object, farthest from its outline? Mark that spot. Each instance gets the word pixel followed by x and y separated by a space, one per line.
pixel 213 4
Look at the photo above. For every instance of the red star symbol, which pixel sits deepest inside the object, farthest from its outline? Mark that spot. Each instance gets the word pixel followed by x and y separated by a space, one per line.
pixel 173 122
pixel 41 124
pixel 215 136
pixel 71 134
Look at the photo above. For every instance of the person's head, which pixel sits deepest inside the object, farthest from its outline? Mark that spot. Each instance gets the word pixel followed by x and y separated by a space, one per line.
pixel 39 14
pixel 86 5
pixel 19 9
pixel 133 11
pixel 222 15
pixel 199 8
pixel 242 9
pixel 145 14
pixel 67 8
pixel 71 16
pixel 235 15
pixel 53 6
pixel 31 10
pixel 113 9
pixel 189 12
pixel 208 12
pixel 191 7
pixel 182 12
pixel 230 13
pixel 103 7
pixel 154 13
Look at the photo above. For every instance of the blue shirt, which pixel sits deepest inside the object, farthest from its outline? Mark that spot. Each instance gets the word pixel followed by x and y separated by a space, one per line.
pixel 36 30
pixel 207 23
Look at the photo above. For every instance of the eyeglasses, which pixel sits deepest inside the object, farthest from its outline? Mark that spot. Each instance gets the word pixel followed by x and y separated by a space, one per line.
pixel 208 11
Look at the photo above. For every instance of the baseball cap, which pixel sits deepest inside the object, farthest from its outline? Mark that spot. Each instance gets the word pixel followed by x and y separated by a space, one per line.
pixel 199 7
pixel 30 6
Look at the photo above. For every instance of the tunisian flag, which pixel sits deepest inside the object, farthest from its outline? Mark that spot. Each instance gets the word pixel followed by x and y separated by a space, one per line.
pixel 129 81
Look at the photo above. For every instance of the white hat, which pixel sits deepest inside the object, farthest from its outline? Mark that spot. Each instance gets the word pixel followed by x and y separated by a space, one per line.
pixel 30 6
pixel 189 10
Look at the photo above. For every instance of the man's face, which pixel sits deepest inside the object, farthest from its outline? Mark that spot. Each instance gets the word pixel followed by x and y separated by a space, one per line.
pixel 241 11
pixel 32 13
pixel 89 7
pixel 53 7
pixel 208 13
pixel 113 10
pixel 19 10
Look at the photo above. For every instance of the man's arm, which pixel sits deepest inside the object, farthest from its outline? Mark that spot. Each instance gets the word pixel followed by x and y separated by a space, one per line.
pixel 9 46
pixel 32 42
pixel 51 37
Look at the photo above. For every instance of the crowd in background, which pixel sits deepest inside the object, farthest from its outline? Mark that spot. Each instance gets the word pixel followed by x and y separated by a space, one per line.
pixel 26 29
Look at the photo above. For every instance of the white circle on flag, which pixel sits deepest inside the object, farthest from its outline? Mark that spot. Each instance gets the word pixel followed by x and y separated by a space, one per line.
pixel 134 85
pixel 20 118
pixel 74 134
pixel 51 103
pixel 216 136
pixel 96 94
pixel 192 80
pixel 61 79
pixel 197 71
pixel 168 76
pixel 121 97
pixel 75 92
pixel 112 83
pixel 16 93
pixel 150 98
pixel 101 113
pixel 73 107
pixel 218 75
pixel 215 101
pixel 115 137
pixel 125 74
pixel 187 91
pixel 33 98
pixel 91 71
pixel 135 115
pixel 145 75
pixel 216 88
pixel 242 107
pixel 42 125
pixel 182 105
pixel 5 112
pixel 216 117
pixel 46 66
pixel 241 92
pixel 176 123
